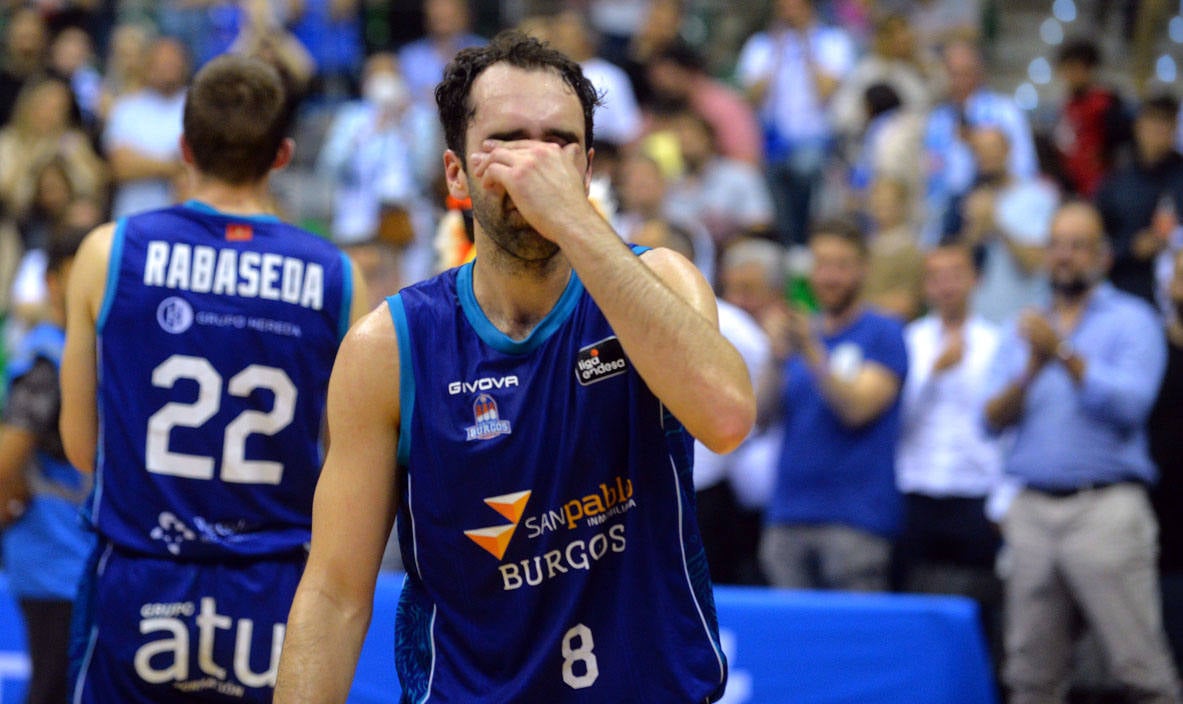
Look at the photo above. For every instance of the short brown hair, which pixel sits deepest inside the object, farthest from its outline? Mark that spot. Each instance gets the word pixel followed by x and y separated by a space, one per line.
pixel 844 230
pixel 958 248
pixel 236 118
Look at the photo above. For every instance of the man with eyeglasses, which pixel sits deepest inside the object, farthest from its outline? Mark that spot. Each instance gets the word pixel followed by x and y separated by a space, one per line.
pixel 1075 383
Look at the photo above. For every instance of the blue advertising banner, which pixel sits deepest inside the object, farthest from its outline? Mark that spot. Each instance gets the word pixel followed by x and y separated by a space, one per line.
pixel 783 646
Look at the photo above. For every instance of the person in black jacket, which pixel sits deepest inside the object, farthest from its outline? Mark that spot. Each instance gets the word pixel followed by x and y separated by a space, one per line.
pixel 1139 203
pixel 1166 420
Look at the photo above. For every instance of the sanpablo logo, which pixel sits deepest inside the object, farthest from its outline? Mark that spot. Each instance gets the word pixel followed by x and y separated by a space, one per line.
pixel 495 539
pixel 578 554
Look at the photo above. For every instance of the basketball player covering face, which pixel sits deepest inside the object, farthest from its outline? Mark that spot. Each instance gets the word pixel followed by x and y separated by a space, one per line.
pixel 529 418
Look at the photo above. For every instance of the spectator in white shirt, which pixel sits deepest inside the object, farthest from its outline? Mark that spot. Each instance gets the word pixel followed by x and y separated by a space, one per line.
pixel 142 136
pixel 895 58
pixel 644 208
pixel 728 196
pixel 946 464
pixel 790 71
pixel 379 157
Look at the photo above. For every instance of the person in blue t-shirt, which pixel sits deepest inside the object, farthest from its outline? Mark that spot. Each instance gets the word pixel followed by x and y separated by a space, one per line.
pixel 835 508
pixel 45 543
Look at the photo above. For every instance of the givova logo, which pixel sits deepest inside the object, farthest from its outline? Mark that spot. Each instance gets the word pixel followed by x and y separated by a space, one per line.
pixel 495 539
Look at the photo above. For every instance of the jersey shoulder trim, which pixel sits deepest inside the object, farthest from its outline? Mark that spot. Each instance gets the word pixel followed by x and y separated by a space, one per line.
pixel 406 376
pixel 344 321
pixel 114 264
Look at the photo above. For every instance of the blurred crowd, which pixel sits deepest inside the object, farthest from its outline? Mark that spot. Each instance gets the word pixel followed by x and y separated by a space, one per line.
pixel 878 219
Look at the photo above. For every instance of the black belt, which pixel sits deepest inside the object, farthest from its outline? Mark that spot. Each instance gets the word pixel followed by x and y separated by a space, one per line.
pixel 1064 492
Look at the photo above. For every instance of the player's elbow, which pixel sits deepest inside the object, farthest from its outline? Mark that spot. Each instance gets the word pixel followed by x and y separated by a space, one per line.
pixel 81 459
pixel 78 446
pixel 730 426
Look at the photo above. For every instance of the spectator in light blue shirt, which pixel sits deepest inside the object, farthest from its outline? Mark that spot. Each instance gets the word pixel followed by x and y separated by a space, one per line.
pixel 1076 383
pixel 949 162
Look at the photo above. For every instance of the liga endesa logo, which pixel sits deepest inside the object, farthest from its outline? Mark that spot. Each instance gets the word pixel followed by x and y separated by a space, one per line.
pixel 495 539
pixel 600 360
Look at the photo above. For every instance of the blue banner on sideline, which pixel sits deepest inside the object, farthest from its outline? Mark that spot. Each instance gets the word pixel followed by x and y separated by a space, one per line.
pixel 783 646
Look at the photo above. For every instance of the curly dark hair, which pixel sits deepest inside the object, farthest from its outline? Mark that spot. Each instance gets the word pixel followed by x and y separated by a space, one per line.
pixel 516 49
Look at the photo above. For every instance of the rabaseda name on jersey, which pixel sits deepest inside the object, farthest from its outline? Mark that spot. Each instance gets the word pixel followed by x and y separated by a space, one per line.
pixel 232 272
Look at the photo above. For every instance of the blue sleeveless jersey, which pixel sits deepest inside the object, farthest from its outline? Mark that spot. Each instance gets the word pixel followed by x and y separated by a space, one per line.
pixel 547 518
pixel 215 340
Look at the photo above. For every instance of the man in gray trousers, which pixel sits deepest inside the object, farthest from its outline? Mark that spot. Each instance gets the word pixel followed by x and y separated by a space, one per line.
pixel 1076 381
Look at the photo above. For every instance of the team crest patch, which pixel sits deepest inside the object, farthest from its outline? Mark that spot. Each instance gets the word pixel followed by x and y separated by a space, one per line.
pixel 488 420
pixel 600 360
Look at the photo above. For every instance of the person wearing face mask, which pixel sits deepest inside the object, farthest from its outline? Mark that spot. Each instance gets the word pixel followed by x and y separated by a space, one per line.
pixel 1004 218
pixel 379 153
pixel 1076 382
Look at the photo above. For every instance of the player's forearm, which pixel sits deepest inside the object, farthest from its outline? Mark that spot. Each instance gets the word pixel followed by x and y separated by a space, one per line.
pixel 678 351
pixel 320 649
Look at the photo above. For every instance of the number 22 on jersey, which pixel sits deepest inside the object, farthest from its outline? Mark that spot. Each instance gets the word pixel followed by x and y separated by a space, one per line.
pixel 235 467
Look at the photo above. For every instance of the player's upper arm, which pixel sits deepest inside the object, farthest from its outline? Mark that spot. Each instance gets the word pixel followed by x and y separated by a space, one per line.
pixel 84 297
pixel 684 279
pixel 356 495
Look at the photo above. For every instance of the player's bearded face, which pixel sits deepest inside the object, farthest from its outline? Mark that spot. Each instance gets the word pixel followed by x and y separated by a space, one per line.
pixel 506 227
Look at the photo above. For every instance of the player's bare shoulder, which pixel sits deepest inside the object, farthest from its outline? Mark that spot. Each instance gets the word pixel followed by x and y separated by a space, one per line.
pixel 88 274
pixel 373 334
pixel 94 252
pixel 684 278
pixel 97 246
pixel 366 371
